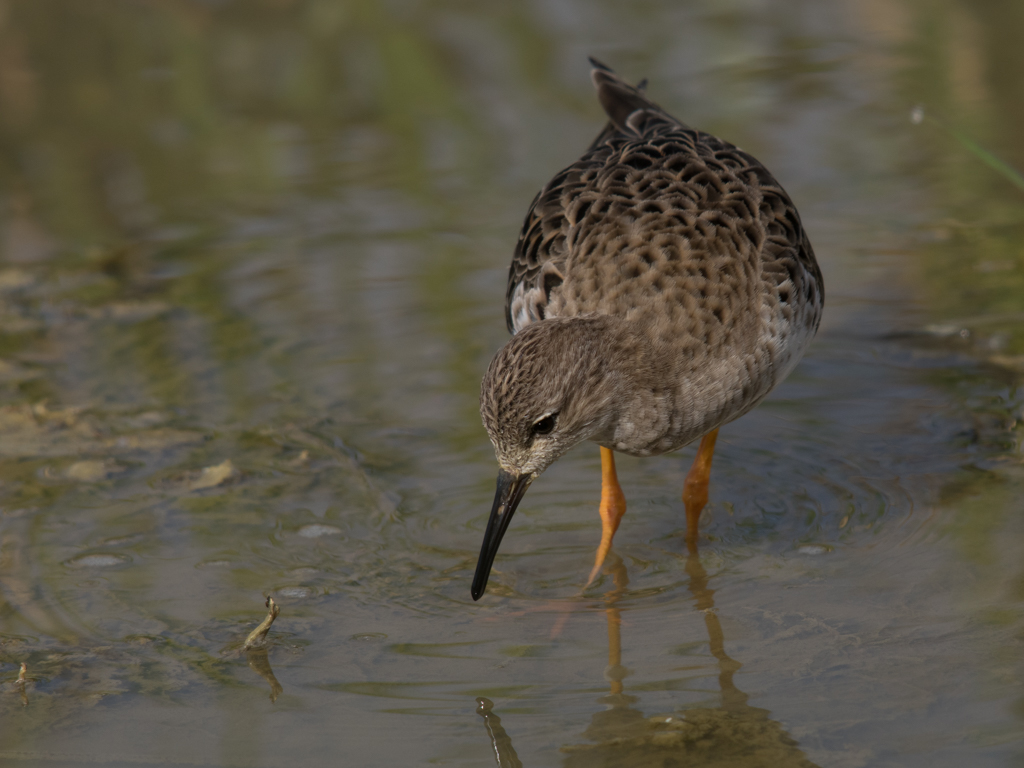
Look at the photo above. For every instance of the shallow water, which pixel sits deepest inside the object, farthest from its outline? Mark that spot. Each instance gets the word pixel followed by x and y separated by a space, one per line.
pixel 253 263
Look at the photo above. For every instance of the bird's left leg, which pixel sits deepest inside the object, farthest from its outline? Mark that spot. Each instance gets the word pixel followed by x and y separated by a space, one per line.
pixel 613 507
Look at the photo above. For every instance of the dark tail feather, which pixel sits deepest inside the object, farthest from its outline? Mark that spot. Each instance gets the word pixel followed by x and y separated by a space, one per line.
pixel 619 98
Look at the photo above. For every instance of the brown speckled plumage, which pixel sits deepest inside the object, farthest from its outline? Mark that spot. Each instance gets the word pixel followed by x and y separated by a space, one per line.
pixel 662 285
pixel 692 246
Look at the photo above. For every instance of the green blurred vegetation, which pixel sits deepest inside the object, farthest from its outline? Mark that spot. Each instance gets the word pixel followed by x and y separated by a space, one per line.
pixel 967 61
pixel 117 117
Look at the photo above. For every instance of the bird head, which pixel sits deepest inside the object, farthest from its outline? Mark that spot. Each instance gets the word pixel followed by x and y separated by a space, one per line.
pixel 549 388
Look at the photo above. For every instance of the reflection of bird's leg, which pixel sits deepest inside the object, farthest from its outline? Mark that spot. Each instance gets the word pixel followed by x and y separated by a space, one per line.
pixel 504 754
pixel 613 507
pixel 695 489
pixel 620 720
pixel 704 598
pixel 615 672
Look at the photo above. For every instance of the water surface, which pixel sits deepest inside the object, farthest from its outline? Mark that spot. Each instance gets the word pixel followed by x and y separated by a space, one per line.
pixel 252 265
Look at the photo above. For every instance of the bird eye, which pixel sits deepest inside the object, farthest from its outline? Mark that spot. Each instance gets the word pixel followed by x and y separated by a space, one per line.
pixel 545 425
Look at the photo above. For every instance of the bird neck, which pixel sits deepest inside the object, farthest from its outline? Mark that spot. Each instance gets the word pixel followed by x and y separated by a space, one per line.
pixel 619 362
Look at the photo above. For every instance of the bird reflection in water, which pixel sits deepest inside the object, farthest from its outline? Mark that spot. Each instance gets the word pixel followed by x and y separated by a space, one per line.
pixel 734 735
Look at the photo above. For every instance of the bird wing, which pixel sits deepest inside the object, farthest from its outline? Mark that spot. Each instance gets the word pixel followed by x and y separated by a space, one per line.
pixel 539 260
pixel 694 193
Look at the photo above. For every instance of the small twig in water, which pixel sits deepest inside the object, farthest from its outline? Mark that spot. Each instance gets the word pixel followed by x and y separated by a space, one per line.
pixel 258 636
pixel 22 680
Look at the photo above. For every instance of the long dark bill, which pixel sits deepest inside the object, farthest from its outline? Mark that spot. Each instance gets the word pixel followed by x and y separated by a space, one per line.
pixel 510 491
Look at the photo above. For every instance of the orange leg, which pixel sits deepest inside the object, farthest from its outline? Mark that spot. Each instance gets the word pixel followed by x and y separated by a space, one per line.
pixel 613 507
pixel 695 489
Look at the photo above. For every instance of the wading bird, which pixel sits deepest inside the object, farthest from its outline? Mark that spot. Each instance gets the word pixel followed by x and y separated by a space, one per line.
pixel 661 287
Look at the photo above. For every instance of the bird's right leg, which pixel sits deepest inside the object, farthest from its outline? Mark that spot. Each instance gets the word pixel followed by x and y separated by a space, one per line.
pixel 613 507
pixel 695 489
